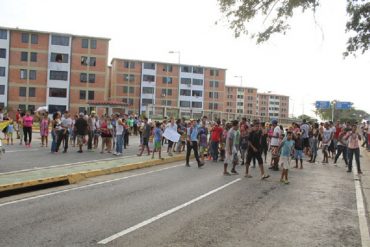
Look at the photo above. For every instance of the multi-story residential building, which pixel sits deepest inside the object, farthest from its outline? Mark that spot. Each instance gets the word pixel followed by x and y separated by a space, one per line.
pixel 60 71
pixel 272 105
pixel 241 100
pixel 188 88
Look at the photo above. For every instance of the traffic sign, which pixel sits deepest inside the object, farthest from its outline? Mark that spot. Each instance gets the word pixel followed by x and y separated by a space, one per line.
pixel 343 105
pixel 322 104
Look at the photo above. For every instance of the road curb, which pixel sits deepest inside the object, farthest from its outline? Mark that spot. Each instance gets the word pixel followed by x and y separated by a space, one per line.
pixel 79 176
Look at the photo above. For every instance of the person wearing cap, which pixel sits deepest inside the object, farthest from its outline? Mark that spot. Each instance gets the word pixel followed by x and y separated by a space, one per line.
pixel 274 144
pixel 192 142
pixel 80 128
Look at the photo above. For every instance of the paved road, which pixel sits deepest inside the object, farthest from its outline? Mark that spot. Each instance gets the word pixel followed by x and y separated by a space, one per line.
pixel 20 158
pixel 189 207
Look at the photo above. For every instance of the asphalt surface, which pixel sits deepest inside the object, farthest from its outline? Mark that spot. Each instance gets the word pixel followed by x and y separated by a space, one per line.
pixel 317 208
pixel 19 157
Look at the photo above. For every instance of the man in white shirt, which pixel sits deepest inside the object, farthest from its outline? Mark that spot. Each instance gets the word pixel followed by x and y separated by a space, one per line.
pixel 66 125
pixel 305 128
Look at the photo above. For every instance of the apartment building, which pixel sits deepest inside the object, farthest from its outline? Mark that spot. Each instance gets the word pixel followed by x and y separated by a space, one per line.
pixel 272 105
pixel 60 71
pixel 241 100
pixel 146 85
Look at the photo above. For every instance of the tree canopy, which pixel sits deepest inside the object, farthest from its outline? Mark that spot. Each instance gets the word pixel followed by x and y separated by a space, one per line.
pixel 343 115
pixel 277 13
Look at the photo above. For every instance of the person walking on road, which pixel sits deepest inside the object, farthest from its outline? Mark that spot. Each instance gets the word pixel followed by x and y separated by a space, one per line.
pixel 80 129
pixel 254 150
pixel 353 148
pixel 120 131
pixel 192 142
pixel 327 136
pixel 157 140
pixel 231 148
pixel 275 145
pixel 44 129
pixel 171 125
pixel 286 148
pixel 146 135
pixel 27 128
pixel 342 146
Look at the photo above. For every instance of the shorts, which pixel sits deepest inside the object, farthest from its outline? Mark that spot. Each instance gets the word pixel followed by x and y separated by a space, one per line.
pixel 285 162
pixel 306 143
pixel 298 154
pixel 157 145
pixel 275 152
pixel 202 150
pixel 251 154
pixel 81 139
pixel 145 141
pixel 231 158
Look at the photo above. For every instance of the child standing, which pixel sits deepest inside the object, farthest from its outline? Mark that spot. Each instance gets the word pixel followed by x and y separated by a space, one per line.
pixel 10 131
pixel 44 129
pixel 157 139
pixel 298 150
pixel 286 148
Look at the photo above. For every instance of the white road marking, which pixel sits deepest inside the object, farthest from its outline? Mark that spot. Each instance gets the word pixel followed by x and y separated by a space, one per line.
pixel 24 150
pixel 364 229
pixel 166 213
pixel 85 186
pixel 64 165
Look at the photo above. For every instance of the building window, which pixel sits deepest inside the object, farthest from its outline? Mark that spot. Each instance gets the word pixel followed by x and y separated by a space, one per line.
pixel 197 93
pixel 148 90
pixel 82 94
pixel 55 108
pixel 22 91
pixel 127 89
pixel 166 102
pixel 60 40
pixel 239 103
pixel 167 68
pixel 249 105
pixel 149 66
pixel 22 107
pixel 2 71
pixel 250 98
pixel 3 34
pixel 213 95
pixel 91 95
pixel 58 75
pixel 25 37
pixel 2 53
pixel 58 92
pixel 185 92
pixel 59 57
pixel 186 69
pixel 83 77
pixel 31 92
pixel 128 77
pixel 129 64
pixel 184 103
pixel 213 84
pixel 149 78
pixel 213 72
pixel 2 89
pixel 33 57
pixel 85 43
pixel 147 101
pixel 24 56
pixel 240 96
pixel 229 103
pixel 196 104
pixel 93 43
pixel 23 74
pixel 167 80
pixel 239 111
pixel 249 112
pixel 197 82
pixel 213 106
pixel 34 38
pixel 166 92
pixel 91 78
pixel 197 70
pixel 186 81
pixel 32 74
pixel 91 61
pixel 250 90
pixel 128 101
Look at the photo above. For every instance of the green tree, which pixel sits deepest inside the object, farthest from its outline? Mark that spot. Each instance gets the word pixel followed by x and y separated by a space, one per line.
pixel 277 13
pixel 351 115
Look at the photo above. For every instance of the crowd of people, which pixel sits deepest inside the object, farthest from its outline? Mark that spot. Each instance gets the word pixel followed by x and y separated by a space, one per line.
pixel 233 143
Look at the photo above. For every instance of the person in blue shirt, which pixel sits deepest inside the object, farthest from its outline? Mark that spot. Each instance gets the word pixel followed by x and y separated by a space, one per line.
pixel 192 142
pixel 286 148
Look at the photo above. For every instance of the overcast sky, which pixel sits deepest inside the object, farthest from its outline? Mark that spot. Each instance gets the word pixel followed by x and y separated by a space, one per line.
pixel 306 64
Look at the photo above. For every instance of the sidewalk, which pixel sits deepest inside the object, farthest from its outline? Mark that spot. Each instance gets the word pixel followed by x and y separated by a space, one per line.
pixel 75 173
pixel 365 177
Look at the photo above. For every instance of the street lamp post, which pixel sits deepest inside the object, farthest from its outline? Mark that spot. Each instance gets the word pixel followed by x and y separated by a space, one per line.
pixel 178 88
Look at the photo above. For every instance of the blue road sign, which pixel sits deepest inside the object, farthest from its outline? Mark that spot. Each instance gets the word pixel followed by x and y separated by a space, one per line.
pixel 322 104
pixel 343 105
